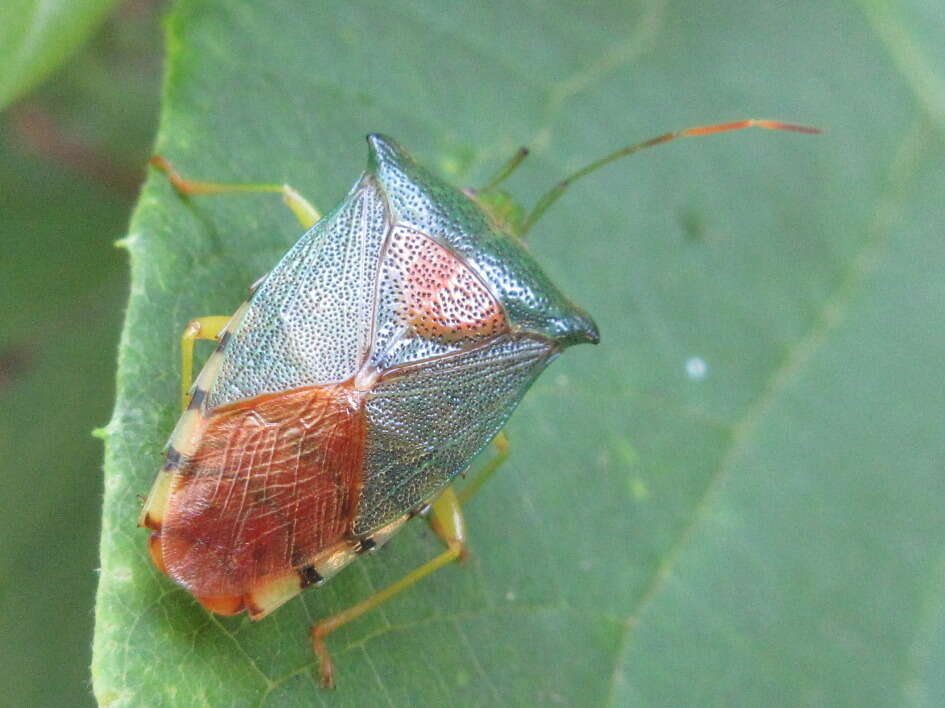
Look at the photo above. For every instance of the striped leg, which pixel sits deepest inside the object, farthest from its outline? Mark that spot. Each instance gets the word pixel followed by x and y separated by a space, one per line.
pixel 501 454
pixel 303 209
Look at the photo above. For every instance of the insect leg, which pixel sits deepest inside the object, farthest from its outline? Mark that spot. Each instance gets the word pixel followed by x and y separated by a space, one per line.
pixel 303 209
pixel 446 519
pixel 201 328
pixel 501 454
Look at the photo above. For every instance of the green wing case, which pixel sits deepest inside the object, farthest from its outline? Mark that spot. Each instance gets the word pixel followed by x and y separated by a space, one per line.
pixel 427 422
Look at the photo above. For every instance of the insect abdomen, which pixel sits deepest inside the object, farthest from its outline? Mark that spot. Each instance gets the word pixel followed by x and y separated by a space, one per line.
pixel 274 482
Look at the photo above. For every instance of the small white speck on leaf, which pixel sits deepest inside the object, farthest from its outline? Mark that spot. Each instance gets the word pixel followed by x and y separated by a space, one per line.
pixel 696 368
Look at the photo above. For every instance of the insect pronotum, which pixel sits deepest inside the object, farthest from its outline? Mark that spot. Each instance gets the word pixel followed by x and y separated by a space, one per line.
pixel 386 349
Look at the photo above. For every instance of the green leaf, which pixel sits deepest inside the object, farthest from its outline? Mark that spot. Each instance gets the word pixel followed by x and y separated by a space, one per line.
pixel 735 498
pixel 38 36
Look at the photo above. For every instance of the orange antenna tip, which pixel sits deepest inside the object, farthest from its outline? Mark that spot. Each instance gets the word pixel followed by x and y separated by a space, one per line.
pixel 778 125
pixel 749 123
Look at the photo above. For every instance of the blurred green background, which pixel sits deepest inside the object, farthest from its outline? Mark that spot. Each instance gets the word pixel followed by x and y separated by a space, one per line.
pixel 72 156
pixel 769 528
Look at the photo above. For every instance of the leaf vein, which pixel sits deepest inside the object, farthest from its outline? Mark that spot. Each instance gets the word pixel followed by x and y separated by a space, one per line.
pixel 832 314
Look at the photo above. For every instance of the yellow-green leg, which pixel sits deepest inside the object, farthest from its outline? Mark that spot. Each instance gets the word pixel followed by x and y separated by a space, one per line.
pixel 200 328
pixel 303 209
pixel 446 520
pixel 210 327
pixel 471 488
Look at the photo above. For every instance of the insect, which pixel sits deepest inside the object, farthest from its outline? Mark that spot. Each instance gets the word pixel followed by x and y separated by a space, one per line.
pixel 385 350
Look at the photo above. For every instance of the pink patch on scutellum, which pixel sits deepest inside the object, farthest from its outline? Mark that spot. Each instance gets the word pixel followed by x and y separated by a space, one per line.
pixel 440 297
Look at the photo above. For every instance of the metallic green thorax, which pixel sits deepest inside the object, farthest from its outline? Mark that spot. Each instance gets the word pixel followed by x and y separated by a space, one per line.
pixel 423 201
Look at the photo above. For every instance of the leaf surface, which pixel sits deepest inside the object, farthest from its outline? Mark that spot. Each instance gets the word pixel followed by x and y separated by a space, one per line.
pixel 735 498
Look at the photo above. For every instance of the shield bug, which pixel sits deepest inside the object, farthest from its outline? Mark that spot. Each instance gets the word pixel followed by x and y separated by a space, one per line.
pixel 383 352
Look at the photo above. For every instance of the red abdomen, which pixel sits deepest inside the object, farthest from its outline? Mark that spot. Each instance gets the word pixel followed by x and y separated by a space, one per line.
pixel 274 481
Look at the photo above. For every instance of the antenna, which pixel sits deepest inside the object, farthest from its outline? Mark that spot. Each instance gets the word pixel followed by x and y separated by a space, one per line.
pixel 551 196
